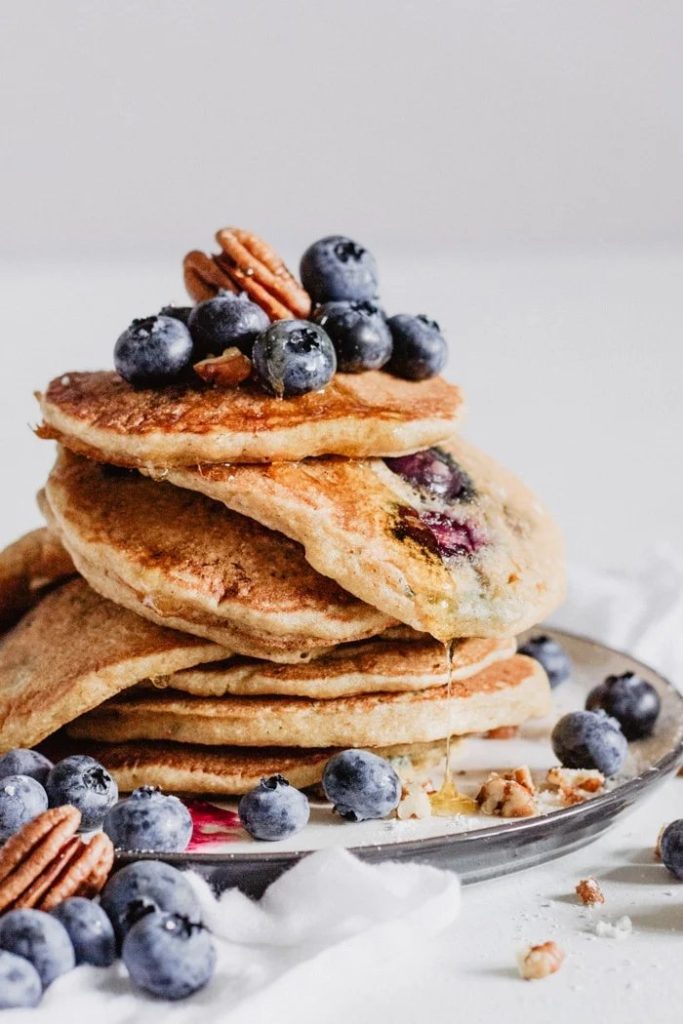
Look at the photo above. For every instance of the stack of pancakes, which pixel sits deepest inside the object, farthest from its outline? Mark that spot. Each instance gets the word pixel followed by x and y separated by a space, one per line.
pixel 234 585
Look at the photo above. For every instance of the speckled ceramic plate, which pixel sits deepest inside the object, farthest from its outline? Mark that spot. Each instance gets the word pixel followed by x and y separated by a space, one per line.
pixel 477 847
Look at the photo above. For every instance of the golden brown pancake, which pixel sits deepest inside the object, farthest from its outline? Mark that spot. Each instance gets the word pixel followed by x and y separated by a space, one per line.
pixel 371 666
pixel 506 693
pixel 28 569
pixel 486 562
pixel 182 560
pixel 372 413
pixel 220 771
pixel 75 650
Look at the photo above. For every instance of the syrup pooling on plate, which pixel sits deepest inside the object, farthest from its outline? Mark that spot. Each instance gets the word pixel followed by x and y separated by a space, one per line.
pixel 448 801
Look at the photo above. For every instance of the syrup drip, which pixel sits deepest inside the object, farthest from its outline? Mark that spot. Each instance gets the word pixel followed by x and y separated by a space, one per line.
pixel 448 801
pixel 211 825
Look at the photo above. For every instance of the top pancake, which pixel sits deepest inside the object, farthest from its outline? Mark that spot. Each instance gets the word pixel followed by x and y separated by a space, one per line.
pixel 377 535
pixel 357 415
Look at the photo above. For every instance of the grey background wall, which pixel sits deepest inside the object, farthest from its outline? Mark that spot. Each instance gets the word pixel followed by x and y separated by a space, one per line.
pixel 516 165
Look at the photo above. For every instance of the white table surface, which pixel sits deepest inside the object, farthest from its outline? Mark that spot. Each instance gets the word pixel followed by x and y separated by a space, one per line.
pixel 572 364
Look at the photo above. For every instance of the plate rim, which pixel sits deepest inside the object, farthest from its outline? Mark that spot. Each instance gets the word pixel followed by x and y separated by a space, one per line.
pixel 424 846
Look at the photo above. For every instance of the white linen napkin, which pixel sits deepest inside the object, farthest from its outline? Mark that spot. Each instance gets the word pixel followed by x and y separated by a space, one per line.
pixel 331 934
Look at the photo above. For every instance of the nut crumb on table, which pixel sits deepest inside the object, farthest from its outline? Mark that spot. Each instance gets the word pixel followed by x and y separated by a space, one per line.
pixel 541 961
pixel 589 892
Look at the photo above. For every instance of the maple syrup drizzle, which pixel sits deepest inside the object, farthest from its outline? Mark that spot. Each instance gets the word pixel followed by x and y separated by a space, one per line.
pixel 448 801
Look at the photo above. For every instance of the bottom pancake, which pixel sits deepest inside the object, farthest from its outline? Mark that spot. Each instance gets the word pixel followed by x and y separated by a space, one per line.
pixel 507 693
pixel 219 771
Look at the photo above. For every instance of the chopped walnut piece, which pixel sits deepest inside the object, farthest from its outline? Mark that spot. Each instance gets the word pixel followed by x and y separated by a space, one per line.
pixel 589 892
pixel 510 795
pixel 540 961
pixel 575 784
pixel 230 369
pixel 503 732
pixel 414 803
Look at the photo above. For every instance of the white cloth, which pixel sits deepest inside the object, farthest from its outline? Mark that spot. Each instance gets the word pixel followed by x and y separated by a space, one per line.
pixel 334 939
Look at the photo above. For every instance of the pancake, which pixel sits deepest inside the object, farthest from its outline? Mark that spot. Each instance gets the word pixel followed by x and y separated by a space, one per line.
pixel 373 413
pixel 184 561
pixel 368 667
pixel 506 693
pixel 28 569
pixel 484 560
pixel 75 650
pixel 219 771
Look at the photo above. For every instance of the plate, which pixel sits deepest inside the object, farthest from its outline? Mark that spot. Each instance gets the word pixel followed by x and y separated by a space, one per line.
pixel 476 847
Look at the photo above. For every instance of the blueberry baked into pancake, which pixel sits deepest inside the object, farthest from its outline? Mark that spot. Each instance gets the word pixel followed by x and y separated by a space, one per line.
pixel 445 540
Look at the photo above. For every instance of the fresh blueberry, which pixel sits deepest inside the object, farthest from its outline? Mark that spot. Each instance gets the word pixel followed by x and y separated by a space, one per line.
pixel 436 473
pixel 420 349
pixel 590 739
pixel 225 321
pixel 21 800
pixel 274 809
pixel 153 351
pixel 39 938
pixel 634 703
pixel 145 886
pixel 359 333
pixel 169 955
pixel 89 929
pixel 293 357
pixel 361 785
pixel 671 847
pixel 338 268
pixel 25 762
pixel 19 982
pixel 83 782
pixel 551 655
pixel 149 820
pixel 181 313
pixel 443 533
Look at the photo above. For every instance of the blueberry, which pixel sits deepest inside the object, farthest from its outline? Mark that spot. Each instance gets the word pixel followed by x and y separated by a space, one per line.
pixel 551 655
pixel 145 886
pixel 21 800
pixel 293 357
pixel 181 313
pixel 83 782
pixel 671 847
pixel 274 809
pixel 338 268
pixel 169 955
pixel 25 762
pixel 90 930
pixel 634 703
pixel 444 533
pixel 225 321
pixel 420 349
pixel 361 785
pixel 590 739
pixel 39 938
pixel 153 351
pixel 19 982
pixel 359 333
pixel 435 473
pixel 149 820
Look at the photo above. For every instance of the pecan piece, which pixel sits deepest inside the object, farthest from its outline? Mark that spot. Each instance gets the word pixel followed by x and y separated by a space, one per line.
pixel 589 892
pixel 541 961
pixel 230 369
pixel 508 796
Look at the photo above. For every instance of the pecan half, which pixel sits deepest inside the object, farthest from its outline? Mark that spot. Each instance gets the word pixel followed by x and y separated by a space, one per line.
pixel 246 263
pixel 230 369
